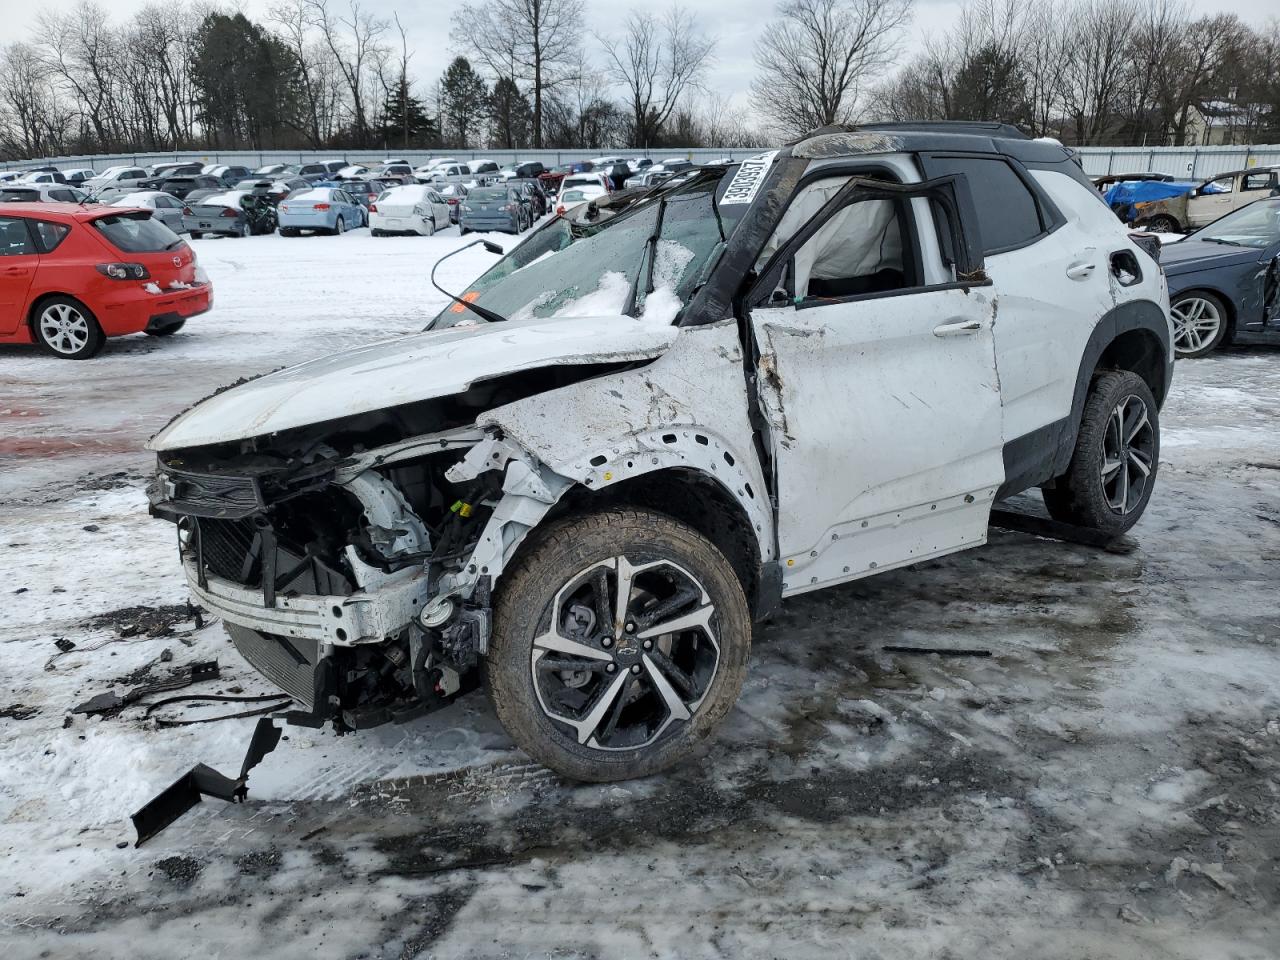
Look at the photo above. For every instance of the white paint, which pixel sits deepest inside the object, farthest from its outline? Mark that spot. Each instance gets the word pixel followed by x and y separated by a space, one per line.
pixel 422 366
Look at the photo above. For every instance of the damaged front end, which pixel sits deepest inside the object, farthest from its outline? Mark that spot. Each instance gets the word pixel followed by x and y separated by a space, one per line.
pixel 356 577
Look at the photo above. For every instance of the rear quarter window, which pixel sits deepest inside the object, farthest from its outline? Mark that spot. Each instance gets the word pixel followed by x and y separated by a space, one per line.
pixel 49 234
pixel 136 233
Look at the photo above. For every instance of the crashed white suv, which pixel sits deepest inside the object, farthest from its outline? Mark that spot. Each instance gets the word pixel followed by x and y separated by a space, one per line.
pixel 631 437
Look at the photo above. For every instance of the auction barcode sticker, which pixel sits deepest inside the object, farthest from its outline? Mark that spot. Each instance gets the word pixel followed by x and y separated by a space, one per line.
pixel 746 182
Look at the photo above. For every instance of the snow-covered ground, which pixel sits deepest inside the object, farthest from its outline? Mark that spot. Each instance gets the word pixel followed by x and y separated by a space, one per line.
pixel 1106 784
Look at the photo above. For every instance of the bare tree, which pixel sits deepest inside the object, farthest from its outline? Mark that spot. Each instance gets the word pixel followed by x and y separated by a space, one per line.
pixel 657 59
pixel 1101 35
pixel 354 40
pixel 536 41
pixel 814 60
pixel 33 123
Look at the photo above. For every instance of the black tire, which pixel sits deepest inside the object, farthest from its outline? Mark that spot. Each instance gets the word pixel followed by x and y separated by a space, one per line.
pixel 196 235
pixel 376 233
pixel 167 331
pixel 339 227
pixel 1083 496
pixel 463 231
pixel 1164 224
pixel 288 232
pixel 567 558
pixel 88 339
pixel 1191 337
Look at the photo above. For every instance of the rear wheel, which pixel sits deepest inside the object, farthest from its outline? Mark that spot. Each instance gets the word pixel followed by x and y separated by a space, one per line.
pixel 245 230
pixel 1164 224
pixel 620 642
pixel 196 234
pixel 66 328
pixel 431 227
pixel 1113 469
pixel 340 227
pixel 1199 323
pixel 288 232
pixel 375 232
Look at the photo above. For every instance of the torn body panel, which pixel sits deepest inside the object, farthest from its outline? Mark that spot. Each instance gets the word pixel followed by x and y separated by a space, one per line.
pixel 687 410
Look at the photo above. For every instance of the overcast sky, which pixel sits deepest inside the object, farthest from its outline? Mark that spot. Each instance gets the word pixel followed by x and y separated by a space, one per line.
pixel 736 24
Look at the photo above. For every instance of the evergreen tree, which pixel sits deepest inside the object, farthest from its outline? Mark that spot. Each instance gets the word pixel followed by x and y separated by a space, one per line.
pixel 246 82
pixel 464 103
pixel 406 124
pixel 509 115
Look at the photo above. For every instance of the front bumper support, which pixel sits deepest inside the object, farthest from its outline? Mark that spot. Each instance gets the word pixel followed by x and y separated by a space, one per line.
pixel 362 617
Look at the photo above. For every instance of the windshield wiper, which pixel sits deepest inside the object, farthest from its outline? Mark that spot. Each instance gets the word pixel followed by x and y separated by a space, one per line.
pixel 480 311
pixel 1228 243
pixel 651 250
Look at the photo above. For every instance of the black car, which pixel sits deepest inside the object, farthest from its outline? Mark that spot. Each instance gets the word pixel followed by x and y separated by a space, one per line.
pixel 1224 281
pixel 534 195
pixel 273 189
pixel 179 185
pixel 363 191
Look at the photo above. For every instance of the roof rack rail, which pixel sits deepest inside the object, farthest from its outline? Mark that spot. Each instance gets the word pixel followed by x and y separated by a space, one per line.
pixel 1004 131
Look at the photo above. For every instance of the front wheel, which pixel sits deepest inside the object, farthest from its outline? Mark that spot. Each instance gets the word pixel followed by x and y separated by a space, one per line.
pixel 1199 323
pixel 620 642
pixel 1113 469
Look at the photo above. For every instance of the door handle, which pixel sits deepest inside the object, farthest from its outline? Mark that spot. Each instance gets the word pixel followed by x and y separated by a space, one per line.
pixel 1081 270
pixel 957 327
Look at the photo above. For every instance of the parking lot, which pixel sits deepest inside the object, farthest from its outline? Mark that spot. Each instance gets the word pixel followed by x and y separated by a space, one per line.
pixel 1105 784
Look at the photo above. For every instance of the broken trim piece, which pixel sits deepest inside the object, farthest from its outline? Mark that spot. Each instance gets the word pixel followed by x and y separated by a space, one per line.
pixel 201 780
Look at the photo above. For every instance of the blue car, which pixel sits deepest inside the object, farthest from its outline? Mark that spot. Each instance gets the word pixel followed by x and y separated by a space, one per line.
pixel 1224 281
pixel 320 209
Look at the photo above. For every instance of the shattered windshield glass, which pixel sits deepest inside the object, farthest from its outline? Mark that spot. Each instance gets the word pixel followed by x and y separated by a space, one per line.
pixel 645 262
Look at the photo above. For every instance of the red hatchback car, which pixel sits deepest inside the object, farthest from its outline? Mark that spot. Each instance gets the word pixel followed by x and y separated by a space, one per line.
pixel 72 275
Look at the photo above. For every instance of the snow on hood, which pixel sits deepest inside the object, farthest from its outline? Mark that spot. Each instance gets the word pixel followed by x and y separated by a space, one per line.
pixel 418 367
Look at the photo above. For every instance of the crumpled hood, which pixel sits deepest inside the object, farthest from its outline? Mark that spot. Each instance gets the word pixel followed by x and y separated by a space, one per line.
pixel 417 367
pixel 1187 256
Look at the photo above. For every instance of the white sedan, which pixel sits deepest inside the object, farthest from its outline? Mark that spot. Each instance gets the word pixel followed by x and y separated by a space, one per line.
pixel 413 209
pixel 578 195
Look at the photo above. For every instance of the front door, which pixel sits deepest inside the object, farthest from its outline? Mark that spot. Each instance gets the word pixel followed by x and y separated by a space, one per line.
pixel 877 381
pixel 18 261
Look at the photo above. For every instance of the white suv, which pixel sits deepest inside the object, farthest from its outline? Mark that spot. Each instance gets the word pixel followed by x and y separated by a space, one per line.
pixel 624 442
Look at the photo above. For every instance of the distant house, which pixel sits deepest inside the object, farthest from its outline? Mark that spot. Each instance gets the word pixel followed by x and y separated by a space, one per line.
pixel 1222 122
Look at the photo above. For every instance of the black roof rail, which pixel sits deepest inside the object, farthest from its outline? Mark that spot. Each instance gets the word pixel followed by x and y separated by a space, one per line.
pixel 1004 131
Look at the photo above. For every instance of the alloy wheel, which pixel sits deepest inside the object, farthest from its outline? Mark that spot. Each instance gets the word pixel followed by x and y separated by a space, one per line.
pixel 1128 446
pixel 630 651
pixel 64 328
pixel 1196 322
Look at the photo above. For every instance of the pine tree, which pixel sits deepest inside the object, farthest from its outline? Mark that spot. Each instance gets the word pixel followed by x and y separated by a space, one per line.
pixel 464 103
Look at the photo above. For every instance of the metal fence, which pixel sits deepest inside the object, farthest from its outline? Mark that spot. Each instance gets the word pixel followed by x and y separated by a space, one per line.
pixel 1192 163
pixel 1189 163
pixel 259 158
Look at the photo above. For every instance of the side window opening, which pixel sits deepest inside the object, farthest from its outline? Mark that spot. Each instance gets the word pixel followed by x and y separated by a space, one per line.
pixel 15 241
pixel 862 249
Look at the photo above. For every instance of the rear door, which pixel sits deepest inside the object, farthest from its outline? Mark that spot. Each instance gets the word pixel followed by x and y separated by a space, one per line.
pixel 1254 185
pixel 1211 201
pixel 19 259
pixel 877 378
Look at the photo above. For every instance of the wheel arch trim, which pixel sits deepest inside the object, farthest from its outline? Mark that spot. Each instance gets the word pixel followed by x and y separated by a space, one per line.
pixel 1144 317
